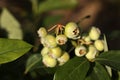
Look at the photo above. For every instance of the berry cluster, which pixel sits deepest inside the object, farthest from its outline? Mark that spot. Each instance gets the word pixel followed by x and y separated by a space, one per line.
pixel 89 45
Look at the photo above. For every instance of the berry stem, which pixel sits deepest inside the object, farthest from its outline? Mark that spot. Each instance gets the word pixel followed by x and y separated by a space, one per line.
pixel 52 28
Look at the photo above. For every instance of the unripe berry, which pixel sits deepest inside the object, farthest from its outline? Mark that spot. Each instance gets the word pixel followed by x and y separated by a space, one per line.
pixel 44 51
pixel 87 38
pixel 80 51
pixel 99 45
pixel 94 33
pixel 55 52
pixel 42 32
pixel 61 39
pixel 49 61
pixel 72 30
pixel 64 58
pixel 91 53
pixel 50 41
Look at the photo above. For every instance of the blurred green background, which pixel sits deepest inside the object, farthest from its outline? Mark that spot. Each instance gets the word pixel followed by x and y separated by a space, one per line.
pixel 20 19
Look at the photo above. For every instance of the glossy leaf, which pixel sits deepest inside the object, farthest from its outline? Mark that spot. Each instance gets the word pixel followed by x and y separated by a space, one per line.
pixel 33 61
pixel 75 69
pixel 56 4
pixel 98 73
pixel 110 58
pixel 11 49
pixel 11 25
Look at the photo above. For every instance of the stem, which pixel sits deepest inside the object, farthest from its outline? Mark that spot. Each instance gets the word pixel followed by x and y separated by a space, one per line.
pixel 52 28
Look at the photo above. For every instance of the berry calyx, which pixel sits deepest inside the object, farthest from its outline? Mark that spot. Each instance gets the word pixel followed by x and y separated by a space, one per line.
pixel 61 39
pixel 80 51
pixel 72 30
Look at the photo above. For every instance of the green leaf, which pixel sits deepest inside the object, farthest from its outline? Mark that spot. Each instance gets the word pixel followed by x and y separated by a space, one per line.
pixel 11 25
pixel 56 4
pixel 118 75
pixel 75 69
pixel 98 73
pixel 33 62
pixel 45 70
pixel 11 49
pixel 110 58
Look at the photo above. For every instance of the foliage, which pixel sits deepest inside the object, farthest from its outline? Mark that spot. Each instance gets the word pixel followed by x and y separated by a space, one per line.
pixel 18 60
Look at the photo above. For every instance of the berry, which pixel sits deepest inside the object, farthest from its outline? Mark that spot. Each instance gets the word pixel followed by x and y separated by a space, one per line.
pixel 91 53
pixel 42 32
pixel 55 52
pixel 80 51
pixel 61 39
pixel 94 33
pixel 50 41
pixel 72 30
pixel 64 58
pixel 49 61
pixel 99 45
pixel 44 51
pixel 87 38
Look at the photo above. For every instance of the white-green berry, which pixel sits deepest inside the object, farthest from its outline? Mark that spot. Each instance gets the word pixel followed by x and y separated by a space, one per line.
pixel 64 58
pixel 94 33
pixel 91 53
pixel 44 51
pixel 72 30
pixel 86 38
pixel 99 44
pixel 49 61
pixel 50 41
pixel 61 39
pixel 55 52
pixel 42 32
pixel 80 51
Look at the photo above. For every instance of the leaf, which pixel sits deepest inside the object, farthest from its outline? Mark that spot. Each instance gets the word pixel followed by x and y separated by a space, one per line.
pixel 32 62
pixel 75 69
pixel 45 70
pixel 118 75
pixel 11 49
pixel 105 50
pixel 56 4
pixel 34 6
pixel 11 25
pixel 110 58
pixel 98 73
